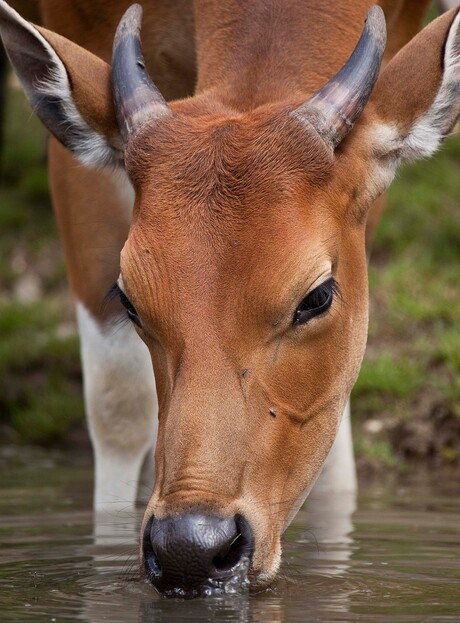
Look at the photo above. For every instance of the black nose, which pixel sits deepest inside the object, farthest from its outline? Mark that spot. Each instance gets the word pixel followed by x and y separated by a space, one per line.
pixel 197 554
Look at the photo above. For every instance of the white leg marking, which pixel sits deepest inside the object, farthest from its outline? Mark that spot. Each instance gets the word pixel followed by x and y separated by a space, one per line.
pixel 339 471
pixel 332 502
pixel 121 407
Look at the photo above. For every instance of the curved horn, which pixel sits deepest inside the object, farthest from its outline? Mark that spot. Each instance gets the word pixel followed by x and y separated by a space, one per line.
pixel 136 98
pixel 334 109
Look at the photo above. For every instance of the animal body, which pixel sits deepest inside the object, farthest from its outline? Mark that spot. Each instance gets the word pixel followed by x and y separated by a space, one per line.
pixel 221 181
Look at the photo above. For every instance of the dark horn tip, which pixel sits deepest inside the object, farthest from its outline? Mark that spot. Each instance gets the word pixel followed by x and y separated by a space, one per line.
pixel 130 23
pixel 376 27
pixel 137 100
pixel 334 109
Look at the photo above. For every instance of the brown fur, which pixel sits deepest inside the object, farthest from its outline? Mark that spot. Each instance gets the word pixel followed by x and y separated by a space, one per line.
pixel 91 241
pixel 240 210
pixel 219 255
pixel 227 237
pixel 168 40
pixel 168 35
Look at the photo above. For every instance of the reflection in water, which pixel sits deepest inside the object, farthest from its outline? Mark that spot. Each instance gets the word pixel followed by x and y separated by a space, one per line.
pixel 329 517
pixel 397 562
pixel 112 528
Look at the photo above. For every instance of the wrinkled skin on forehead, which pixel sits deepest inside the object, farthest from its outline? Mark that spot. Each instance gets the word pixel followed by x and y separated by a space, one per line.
pixel 237 219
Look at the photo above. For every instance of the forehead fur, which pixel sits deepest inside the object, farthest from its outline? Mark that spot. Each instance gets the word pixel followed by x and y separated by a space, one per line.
pixel 225 160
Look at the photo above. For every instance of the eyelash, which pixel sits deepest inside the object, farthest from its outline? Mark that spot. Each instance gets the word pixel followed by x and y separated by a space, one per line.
pixel 116 292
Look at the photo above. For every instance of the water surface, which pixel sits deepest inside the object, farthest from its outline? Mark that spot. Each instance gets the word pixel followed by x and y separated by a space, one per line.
pixel 395 559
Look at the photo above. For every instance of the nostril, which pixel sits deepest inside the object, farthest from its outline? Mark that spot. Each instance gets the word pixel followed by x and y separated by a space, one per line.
pixel 239 548
pixel 230 556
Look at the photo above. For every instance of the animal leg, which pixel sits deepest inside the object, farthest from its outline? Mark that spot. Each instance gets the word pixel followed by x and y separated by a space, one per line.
pixel 339 471
pixel 93 209
pixel 121 407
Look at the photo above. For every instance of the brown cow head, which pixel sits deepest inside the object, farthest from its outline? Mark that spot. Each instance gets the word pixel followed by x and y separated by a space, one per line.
pixel 244 270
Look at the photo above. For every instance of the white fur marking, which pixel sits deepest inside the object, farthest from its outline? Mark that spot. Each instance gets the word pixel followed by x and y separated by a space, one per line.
pixel 431 129
pixel 121 406
pixel 392 148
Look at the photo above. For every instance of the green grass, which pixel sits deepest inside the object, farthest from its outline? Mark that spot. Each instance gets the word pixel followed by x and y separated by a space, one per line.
pixel 40 382
pixel 389 376
pixel 40 379
pixel 412 367
pixel 422 212
pixel 379 451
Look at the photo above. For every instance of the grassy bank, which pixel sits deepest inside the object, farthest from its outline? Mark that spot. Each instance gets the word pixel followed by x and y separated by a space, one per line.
pixel 407 398
pixel 40 379
pixel 406 403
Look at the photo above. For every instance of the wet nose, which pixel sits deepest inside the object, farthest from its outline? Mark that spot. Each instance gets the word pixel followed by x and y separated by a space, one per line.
pixel 197 554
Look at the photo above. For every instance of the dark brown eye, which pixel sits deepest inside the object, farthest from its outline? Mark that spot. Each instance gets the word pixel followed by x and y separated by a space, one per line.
pixel 130 309
pixel 316 303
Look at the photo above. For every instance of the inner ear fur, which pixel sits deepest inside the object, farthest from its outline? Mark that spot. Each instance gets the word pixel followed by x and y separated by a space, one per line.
pixel 90 82
pixel 411 81
pixel 413 107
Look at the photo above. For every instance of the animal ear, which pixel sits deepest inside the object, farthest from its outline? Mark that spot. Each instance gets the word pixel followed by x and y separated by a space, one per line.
pixel 415 103
pixel 68 87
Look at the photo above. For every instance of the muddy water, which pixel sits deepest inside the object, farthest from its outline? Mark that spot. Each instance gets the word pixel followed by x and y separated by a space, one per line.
pixel 396 558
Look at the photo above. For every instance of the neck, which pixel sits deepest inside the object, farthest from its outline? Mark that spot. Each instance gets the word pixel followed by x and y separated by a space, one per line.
pixel 256 52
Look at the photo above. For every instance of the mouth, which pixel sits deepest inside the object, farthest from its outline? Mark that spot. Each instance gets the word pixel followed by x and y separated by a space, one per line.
pixel 237 582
